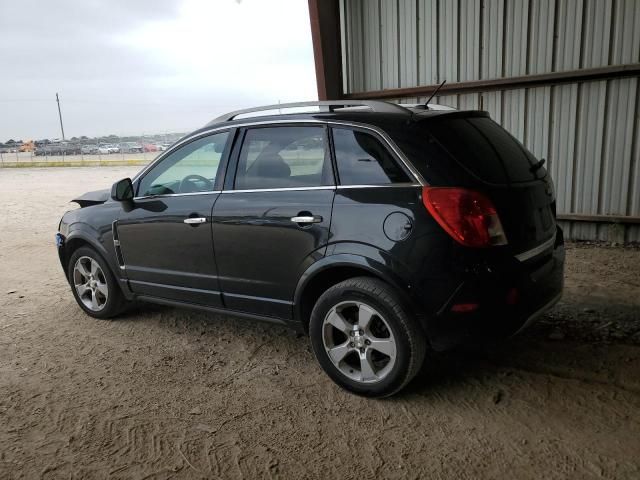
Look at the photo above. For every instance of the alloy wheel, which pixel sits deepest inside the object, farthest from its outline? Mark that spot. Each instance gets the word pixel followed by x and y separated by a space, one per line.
pixel 359 341
pixel 90 283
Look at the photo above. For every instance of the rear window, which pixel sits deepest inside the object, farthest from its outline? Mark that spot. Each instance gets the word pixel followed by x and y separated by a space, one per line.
pixel 363 160
pixel 486 149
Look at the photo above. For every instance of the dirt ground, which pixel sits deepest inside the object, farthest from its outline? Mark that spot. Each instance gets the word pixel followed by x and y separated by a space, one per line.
pixel 167 393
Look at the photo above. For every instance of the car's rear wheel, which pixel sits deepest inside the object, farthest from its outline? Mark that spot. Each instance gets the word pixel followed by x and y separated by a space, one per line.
pixel 94 286
pixel 364 338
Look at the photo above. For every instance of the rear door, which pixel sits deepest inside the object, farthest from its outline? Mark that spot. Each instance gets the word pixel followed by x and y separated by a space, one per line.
pixel 272 220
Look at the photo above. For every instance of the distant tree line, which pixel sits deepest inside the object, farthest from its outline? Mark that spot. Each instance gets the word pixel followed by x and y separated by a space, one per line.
pixel 102 139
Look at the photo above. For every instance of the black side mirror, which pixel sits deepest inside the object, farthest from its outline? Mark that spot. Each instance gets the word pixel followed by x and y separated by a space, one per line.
pixel 122 190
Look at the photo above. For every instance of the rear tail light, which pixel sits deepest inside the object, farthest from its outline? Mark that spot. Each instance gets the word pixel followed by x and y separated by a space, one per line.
pixel 469 217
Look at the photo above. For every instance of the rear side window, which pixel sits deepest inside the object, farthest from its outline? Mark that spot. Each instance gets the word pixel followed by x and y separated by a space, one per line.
pixel 363 160
pixel 485 148
pixel 282 157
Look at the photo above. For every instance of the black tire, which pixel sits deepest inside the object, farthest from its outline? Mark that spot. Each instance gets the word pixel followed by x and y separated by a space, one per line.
pixel 115 302
pixel 409 338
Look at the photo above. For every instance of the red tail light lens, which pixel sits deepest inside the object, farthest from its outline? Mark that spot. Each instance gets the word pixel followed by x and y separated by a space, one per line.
pixel 468 216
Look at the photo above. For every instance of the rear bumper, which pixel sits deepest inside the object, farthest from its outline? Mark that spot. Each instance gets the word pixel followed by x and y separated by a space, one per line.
pixel 537 314
pixel 500 299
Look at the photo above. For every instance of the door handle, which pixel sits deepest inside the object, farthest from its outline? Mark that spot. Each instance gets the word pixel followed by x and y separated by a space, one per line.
pixel 307 219
pixel 195 221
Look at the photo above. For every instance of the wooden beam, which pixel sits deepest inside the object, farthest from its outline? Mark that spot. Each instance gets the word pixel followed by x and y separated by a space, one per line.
pixel 325 35
pixel 507 83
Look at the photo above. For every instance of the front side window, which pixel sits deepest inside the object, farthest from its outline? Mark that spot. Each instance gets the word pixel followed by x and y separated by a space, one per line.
pixel 363 160
pixel 192 168
pixel 283 157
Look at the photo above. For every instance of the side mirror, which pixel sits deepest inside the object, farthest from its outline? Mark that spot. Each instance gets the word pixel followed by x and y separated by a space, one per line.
pixel 122 190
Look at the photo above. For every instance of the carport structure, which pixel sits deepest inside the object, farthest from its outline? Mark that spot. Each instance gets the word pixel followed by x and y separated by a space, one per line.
pixel 560 75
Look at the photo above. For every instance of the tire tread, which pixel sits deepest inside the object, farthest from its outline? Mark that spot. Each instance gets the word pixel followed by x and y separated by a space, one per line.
pixel 386 295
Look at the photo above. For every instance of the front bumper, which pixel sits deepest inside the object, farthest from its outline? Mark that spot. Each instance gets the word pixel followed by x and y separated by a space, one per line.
pixel 60 240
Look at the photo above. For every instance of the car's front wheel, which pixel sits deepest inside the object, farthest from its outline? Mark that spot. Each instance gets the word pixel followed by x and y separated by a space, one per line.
pixel 364 338
pixel 94 287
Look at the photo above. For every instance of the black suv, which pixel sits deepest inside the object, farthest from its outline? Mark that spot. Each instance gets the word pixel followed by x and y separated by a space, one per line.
pixel 381 230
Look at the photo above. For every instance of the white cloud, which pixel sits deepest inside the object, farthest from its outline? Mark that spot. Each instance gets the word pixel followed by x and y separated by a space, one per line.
pixel 253 45
pixel 174 69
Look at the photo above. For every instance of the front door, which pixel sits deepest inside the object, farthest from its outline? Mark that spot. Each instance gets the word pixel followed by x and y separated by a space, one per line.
pixel 272 221
pixel 165 236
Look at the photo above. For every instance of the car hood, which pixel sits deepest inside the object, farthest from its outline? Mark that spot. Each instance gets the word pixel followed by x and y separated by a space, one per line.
pixel 92 198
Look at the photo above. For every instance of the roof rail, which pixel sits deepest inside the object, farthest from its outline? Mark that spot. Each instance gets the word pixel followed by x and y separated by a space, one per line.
pixel 325 106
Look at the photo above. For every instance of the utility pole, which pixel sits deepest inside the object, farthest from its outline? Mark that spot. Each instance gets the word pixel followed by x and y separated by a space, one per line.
pixel 60 115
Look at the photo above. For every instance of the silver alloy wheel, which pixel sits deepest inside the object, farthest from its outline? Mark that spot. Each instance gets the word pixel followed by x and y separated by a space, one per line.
pixel 351 334
pixel 90 283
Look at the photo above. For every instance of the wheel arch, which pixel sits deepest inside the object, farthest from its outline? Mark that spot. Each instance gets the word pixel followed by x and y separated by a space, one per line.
pixel 78 238
pixel 334 269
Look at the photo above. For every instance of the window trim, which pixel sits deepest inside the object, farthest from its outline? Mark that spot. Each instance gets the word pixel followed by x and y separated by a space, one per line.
pixel 229 185
pixel 217 185
pixel 417 177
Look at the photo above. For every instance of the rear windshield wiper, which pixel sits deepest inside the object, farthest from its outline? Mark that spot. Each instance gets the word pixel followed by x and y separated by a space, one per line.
pixel 537 166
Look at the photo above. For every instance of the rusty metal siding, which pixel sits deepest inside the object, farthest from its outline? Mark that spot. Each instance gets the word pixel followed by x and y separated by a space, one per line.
pixel 588 132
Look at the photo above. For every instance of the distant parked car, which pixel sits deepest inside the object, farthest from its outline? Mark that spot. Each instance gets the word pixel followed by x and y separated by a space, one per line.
pixel 149 147
pixel 71 149
pixel 161 147
pixel 28 146
pixel 131 147
pixel 88 149
pixel 103 149
pixel 113 148
pixel 58 149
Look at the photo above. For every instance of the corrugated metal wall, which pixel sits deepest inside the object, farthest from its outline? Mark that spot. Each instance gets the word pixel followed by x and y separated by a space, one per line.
pixel 588 132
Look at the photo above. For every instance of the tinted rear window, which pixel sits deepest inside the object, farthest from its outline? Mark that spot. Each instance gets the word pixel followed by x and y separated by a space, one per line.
pixel 486 149
pixel 363 160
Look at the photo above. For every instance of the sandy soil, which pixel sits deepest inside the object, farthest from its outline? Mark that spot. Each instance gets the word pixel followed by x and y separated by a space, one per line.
pixel 166 393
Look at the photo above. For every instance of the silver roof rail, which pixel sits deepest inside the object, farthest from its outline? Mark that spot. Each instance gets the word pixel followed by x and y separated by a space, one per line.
pixel 325 106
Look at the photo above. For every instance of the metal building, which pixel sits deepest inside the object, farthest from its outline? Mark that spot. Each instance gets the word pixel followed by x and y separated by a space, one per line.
pixel 560 75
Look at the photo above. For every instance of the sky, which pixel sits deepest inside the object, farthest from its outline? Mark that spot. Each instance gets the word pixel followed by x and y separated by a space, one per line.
pixel 133 67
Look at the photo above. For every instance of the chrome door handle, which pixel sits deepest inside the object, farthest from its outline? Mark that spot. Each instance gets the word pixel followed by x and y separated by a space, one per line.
pixel 195 221
pixel 307 219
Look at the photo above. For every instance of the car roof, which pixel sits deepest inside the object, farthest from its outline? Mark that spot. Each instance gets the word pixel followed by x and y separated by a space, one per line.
pixel 398 117
pixel 377 113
